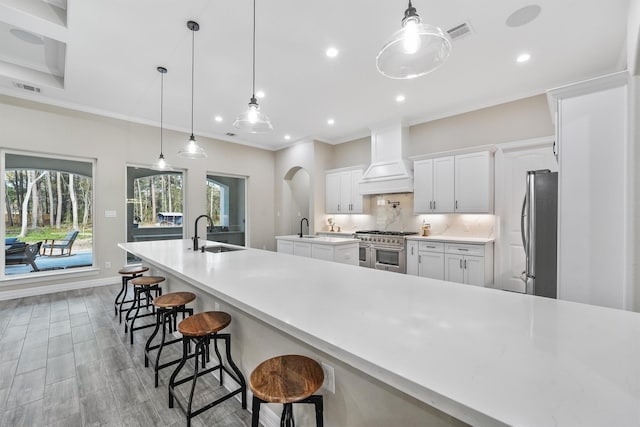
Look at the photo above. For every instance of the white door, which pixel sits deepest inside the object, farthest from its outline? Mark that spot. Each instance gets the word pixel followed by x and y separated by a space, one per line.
pixel 443 184
pixel 345 193
pixel 512 163
pixel 472 182
pixel 473 270
pixel 423 186
pixel 453 271
pixel 332 192
pixel 432 265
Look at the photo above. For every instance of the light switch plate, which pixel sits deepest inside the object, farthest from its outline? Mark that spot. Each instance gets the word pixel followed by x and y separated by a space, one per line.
pixel 110 214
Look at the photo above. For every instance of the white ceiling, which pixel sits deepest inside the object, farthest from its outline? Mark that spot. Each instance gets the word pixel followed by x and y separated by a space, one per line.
pixel 101 56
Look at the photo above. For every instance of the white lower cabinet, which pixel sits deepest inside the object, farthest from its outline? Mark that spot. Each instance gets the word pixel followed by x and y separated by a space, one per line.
pixel 302 249
pixel 467 263
pixel 431 265
pixel 285 247
pixel 345 253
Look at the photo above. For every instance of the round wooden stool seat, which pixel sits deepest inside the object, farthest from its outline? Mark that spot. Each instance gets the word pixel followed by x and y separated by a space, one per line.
pixel 147 280
pixel 174 299
pixel 134 269
pixel 286 379
pixel 202 324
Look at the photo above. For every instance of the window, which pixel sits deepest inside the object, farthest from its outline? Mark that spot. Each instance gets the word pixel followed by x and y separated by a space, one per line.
pixel 48 205
pixel 226 206
pixel 154 205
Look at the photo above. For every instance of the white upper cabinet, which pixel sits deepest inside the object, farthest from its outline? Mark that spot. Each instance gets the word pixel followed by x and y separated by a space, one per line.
pixel 473 183
pixel 342 194
pixel 454 184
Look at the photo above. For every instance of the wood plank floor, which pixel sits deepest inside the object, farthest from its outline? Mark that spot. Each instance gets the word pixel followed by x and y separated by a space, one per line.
pixel 66 361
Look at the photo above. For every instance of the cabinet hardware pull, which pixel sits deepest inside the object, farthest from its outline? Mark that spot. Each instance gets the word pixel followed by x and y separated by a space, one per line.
pixel 465 264
pixel 411 250
pixel 419 259
pixel 434 205
pixel 431 247
pixel 456 204
pixel 338 207
pixel 461 264
pixel 463 249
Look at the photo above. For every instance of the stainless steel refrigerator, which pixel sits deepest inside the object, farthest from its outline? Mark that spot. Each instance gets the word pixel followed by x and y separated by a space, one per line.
pixel 539 228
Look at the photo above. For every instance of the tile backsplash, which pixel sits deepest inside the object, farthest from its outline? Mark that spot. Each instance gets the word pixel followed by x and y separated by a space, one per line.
pixel 382 215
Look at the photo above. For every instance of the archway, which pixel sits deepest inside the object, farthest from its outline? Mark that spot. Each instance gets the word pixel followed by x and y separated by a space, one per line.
pixel 295 200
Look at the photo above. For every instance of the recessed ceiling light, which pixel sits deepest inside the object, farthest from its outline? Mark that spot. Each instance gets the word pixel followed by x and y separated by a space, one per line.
pixel 523 57
pixel 260 94
pixel 218 118
pixel 287 137
pixel 331 122
pixel 523 15
pixel 400 98
pixel 332 52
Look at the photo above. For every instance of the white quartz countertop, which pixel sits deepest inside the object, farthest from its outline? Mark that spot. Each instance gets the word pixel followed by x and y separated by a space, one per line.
pixel 455 239
pixel 319 239
pixel 485 356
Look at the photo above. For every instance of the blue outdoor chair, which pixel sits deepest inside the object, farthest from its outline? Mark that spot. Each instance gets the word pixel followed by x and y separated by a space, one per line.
pixel 64 244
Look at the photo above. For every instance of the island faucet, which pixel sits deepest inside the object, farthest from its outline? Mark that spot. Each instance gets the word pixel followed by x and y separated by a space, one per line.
pixel 303 219
pixel 195 230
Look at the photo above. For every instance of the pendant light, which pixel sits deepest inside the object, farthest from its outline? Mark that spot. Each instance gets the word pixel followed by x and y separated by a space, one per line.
pixel 191 149
pixel 414 50
pixel 253 120
pixel 161 163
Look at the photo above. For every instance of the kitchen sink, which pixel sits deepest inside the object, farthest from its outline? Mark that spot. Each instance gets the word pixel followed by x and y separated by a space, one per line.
pixel 218 249
pixel 309 237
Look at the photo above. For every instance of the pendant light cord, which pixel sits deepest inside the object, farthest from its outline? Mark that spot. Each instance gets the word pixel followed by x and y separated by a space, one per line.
pixel 254 49
pixel 193 42
pixel 161 106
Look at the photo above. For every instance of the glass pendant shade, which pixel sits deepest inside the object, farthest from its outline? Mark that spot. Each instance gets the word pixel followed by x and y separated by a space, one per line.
pixel 161 164
pixel 253 120
pixel 191 150
pixel 414 50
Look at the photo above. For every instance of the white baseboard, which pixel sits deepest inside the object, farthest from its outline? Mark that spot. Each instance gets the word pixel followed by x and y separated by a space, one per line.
pixel 49 289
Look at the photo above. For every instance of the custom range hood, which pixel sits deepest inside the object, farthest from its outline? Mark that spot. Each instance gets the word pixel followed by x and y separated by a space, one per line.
pixel 389 171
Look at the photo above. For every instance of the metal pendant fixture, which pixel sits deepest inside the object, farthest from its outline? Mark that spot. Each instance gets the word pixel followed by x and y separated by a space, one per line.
pixel 414 50
pixel 253 120
pixel 191 149
pixel 161 164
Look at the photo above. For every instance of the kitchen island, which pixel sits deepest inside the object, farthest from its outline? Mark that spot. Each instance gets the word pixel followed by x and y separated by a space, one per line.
pixel 328 248
pixel 483 356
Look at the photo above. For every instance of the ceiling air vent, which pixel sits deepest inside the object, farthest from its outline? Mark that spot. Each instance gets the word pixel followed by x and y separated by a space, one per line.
pixel 230 134
pixel 459 31
pixel 27 87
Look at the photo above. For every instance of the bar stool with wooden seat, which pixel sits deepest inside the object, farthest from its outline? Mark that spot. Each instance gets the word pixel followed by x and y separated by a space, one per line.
pixel 127 274
pixel 168 306
pixel 201 328
pixel 286 379
pixel 142 288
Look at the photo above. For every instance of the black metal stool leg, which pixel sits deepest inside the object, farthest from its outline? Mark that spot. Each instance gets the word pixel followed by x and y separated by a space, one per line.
pixel 150 339
pixel 123 290
pixel 133 304
pixel 241 380
pixel 215 347
pixel 175 373
pixel 255 411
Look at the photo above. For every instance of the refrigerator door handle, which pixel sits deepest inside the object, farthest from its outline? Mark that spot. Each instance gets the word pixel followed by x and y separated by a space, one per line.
pixel 522 217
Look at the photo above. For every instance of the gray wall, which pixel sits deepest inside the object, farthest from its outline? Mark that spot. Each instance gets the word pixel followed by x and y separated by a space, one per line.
pixel 115 143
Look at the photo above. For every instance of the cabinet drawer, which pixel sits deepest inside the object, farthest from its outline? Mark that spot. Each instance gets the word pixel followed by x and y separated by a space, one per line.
pixel 431 247
pixel 464 249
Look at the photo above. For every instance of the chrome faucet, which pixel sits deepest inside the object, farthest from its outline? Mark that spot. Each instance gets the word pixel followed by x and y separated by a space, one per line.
pixel 303 219
pixel 195 230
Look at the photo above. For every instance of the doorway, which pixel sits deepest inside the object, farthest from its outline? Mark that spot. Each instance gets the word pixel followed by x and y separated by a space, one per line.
pixel 513 160
pixel 295 200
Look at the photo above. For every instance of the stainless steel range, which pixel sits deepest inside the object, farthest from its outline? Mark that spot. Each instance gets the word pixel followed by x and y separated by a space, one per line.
pixel 383 250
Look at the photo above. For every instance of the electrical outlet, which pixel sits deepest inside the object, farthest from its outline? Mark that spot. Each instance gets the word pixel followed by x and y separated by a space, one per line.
pixel 329 383
pixel 216 306
pixel 107 264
